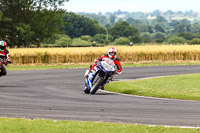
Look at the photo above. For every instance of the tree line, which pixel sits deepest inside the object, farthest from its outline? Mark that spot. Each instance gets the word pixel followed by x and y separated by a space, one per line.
pixel 27 22
pixel 23 22
pixel 125 31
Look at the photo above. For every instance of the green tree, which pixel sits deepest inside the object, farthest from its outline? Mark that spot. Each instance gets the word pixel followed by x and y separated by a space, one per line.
pixel 24 33
pixel 86 38
pixel 186 35
pixel 64 41
pixel 150 29
pixel 156 13
pixel 159 28
pixel 123 29
pixel 158 40
pixel 52 39
pixel 169 12
pixel 112 19
pixel 77 26
pixel 143 28
pixel 80 42
pixel 161 19
pixel 146 37
pixel 1 16
pixel 176 40
pixel 101 38
pixel 183 26
pixel 195 28
pixel 49 25
pixel 195 41
pixel 122 41
pixel 158 35
pixel 26 21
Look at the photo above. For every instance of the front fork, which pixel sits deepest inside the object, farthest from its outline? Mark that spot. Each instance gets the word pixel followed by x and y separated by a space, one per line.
pixel 88 80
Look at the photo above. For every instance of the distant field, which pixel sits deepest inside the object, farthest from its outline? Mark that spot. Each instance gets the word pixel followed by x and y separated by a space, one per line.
pixel 87 55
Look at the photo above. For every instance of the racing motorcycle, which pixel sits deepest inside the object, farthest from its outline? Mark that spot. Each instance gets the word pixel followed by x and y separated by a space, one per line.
pixel 100 75
pixel 1 65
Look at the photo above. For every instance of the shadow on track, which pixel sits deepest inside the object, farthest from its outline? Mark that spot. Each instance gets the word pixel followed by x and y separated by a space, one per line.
pixel 10 86
pixel 104 93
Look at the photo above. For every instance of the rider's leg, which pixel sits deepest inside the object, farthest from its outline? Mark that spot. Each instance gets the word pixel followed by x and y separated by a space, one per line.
pixel 89 79
pixel 91 67
pixel 107 81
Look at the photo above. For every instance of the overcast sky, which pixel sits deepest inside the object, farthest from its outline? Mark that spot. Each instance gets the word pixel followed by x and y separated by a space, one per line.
pixel 95 6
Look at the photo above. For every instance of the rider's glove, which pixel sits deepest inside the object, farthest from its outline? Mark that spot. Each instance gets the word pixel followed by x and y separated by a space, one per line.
pixel 5 62
pixel 96 61
pixel 116 72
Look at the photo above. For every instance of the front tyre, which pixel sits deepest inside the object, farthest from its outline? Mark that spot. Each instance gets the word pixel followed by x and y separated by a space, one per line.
pixel 86 90
pixel 96 85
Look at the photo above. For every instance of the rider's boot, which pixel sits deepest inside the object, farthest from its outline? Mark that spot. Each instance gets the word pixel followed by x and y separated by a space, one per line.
pixel 102 87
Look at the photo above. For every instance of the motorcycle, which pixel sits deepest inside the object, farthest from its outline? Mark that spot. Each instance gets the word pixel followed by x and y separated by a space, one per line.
pixel 2 62
pixel 100 75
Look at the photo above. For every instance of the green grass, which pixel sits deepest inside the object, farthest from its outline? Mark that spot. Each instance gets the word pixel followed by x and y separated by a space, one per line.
pixel 86 65
pixel 13 125
pixel 185 87
pixel 39 67
pixel 160 64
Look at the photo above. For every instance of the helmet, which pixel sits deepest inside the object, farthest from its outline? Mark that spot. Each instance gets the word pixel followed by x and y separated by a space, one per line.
pixel 110 51
pixel 2 45
pixel 94 42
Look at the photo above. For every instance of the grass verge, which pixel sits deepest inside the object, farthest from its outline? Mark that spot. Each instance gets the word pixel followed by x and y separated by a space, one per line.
pixel 43 66
pixel 186 87
pixel 13 125
pixel 86 65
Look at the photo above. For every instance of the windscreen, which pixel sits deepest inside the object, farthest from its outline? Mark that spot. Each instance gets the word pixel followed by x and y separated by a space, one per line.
pixel 109 61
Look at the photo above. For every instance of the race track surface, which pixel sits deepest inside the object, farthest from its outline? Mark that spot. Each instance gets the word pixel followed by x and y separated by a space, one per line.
pixel 58 94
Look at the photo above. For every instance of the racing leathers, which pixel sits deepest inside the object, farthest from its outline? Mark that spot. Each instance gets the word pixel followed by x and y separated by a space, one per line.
pixel 116 62
pixel 4 54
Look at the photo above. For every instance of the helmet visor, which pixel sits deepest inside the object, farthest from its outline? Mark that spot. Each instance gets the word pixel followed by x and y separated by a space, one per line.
pixel 2 47
pixel 112 53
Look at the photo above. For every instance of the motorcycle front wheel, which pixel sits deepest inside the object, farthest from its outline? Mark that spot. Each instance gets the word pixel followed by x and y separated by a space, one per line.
pixel 98 82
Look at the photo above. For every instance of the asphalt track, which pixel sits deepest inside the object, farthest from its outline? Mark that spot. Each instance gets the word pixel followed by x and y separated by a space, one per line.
pixel 58 94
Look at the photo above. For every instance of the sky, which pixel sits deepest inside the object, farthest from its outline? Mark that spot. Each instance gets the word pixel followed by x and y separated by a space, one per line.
pixel 95 6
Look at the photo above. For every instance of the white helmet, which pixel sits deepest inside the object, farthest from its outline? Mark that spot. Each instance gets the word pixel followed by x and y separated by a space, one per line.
pixel 111 50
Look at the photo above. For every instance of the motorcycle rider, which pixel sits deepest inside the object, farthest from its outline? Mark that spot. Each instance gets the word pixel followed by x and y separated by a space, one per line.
pixel 112 54
pixel 4 54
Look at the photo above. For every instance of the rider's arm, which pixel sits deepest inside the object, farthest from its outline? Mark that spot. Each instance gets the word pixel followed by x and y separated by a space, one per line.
pixel 118 64
pixel 7 55
pixel 100 58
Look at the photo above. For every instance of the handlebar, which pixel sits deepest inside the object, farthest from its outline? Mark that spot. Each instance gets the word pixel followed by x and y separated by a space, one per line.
pixel 6 62
pixel 9 61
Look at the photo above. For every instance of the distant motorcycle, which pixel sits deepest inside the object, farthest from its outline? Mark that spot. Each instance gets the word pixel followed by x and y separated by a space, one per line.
pixel 101 74
pixel 2 63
